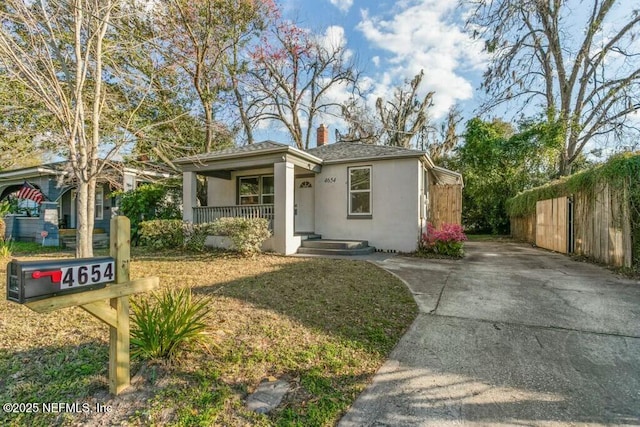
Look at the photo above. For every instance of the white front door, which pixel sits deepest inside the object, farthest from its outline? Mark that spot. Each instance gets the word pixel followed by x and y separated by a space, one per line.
pixel 304 200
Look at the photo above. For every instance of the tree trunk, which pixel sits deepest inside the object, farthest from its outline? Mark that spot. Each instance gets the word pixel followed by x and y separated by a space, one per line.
pixel 208 124
pixel 84 247
pixel 244 118
pixel 86 213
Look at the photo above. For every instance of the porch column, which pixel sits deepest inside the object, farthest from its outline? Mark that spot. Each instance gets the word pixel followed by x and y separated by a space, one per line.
pixel 189 196
pixel 284 241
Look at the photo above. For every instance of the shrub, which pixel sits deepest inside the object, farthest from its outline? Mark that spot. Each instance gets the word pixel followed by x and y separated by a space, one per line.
pixel 247 234
pixel 162 233
pixel 448 241
pixel 163 324
pixel 149 202
pixel 195 235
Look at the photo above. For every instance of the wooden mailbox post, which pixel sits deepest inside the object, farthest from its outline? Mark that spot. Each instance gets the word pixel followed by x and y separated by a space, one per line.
pixel 115 312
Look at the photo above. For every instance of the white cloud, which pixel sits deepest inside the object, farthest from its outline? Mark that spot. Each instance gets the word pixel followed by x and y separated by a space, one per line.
pixel 343 5
pixel 425 35
pixel 376 60
pixel 333 38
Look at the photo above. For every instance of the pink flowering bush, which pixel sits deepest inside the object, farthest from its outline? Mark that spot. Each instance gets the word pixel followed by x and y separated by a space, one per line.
pixel 448 241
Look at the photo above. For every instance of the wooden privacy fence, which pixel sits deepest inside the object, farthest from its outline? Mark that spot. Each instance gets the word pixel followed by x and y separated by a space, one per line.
pixel 601 225
pixel 445 205
pixel 552 224
pixel 524 228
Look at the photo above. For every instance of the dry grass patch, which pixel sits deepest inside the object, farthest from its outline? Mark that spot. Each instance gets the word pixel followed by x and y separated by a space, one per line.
pixel 324 325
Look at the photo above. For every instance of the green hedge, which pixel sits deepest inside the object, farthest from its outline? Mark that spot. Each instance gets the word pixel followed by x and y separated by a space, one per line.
pixel 620 171
pixel 617 171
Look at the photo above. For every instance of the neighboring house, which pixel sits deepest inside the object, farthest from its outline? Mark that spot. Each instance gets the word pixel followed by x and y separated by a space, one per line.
pixel 344 191
pixel 58 210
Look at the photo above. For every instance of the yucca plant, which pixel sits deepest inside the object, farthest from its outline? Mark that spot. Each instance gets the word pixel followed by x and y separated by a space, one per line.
pixel 164 323
pixel 5 208
pixel 6 248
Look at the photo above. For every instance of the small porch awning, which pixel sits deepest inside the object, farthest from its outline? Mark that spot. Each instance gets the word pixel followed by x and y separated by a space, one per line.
pixel 221 164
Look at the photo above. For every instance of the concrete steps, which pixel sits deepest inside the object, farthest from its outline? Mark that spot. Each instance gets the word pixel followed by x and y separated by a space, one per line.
pixel 100 240
pixel 309 236
pixel 335 247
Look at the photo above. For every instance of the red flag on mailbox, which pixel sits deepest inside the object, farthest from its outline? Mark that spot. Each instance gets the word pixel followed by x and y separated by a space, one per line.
pixel 28 191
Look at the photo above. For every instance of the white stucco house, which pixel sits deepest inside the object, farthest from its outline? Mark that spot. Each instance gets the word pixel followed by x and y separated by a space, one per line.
pixel 341 191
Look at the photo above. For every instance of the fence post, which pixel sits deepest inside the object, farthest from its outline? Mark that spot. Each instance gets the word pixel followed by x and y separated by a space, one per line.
pixel 120 244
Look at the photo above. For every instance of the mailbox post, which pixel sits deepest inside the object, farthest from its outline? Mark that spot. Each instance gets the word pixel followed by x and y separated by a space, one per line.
pixel 46 286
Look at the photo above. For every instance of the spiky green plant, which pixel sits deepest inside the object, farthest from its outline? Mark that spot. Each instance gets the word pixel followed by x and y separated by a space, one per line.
pixel 5 208
pixel 166 322
pixel 6 249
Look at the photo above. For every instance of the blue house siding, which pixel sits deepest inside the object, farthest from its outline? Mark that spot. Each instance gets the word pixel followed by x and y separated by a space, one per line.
pixel 58 210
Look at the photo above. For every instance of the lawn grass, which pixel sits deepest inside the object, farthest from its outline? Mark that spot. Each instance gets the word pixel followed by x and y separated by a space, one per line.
pixel 33 248
pixel 325 326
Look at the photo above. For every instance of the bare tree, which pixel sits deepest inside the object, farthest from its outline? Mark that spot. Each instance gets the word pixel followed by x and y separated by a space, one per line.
pixel 244 26
pixel 294 72
pixel 586 75
pixel 57 49
pixel 204 40
pixel 441 142
pixel 397 121
pixel 363 126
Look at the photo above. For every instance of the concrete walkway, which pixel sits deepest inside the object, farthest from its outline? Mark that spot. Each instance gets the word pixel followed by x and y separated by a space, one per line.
pixel 511 335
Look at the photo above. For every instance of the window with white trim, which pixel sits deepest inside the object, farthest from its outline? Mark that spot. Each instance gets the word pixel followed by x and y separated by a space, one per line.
pixel 99 202
pixel 360 191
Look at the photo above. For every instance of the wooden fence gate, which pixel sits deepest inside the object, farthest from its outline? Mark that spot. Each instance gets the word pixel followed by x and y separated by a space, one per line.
pixel 553 224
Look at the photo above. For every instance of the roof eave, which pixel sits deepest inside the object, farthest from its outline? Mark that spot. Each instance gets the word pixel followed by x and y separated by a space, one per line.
pixel 274 150
pixel 29 172
pixel 374 158
pixel 457 175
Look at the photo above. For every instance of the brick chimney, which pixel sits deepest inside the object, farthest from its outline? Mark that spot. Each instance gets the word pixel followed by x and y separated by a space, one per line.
pixel 322 135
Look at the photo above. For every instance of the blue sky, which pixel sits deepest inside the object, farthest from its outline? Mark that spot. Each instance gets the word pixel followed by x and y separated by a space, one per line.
pixel 393 40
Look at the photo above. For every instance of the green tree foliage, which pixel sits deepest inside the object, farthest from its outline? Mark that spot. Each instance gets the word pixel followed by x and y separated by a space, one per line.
pixel 497 162
pixel 147 202
pixel 25 128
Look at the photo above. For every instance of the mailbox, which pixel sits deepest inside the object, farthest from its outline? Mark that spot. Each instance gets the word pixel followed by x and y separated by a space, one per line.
pixel 33 280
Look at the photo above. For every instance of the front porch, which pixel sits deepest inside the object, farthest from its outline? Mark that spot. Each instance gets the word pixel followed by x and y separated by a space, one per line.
pixel 266 180
pixel 204 214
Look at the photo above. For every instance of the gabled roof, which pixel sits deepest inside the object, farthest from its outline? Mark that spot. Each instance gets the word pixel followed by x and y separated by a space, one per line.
pixel 257 149
pixel 233 151
pixel 61 168
pixel 342 152
pixel 56 168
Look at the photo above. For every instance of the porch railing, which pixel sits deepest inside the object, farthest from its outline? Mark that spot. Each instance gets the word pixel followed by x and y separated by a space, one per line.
pixel 202 214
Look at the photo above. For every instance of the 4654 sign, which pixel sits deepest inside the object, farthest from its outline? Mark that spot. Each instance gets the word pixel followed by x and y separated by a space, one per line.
pixel 32 280
pixel 85 275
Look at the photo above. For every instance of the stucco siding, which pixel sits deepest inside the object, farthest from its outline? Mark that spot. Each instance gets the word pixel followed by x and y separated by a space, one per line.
pixel 395 221
pixel 222 192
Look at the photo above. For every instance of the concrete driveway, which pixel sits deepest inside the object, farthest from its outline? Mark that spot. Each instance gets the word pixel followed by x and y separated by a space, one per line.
pixel 511 335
